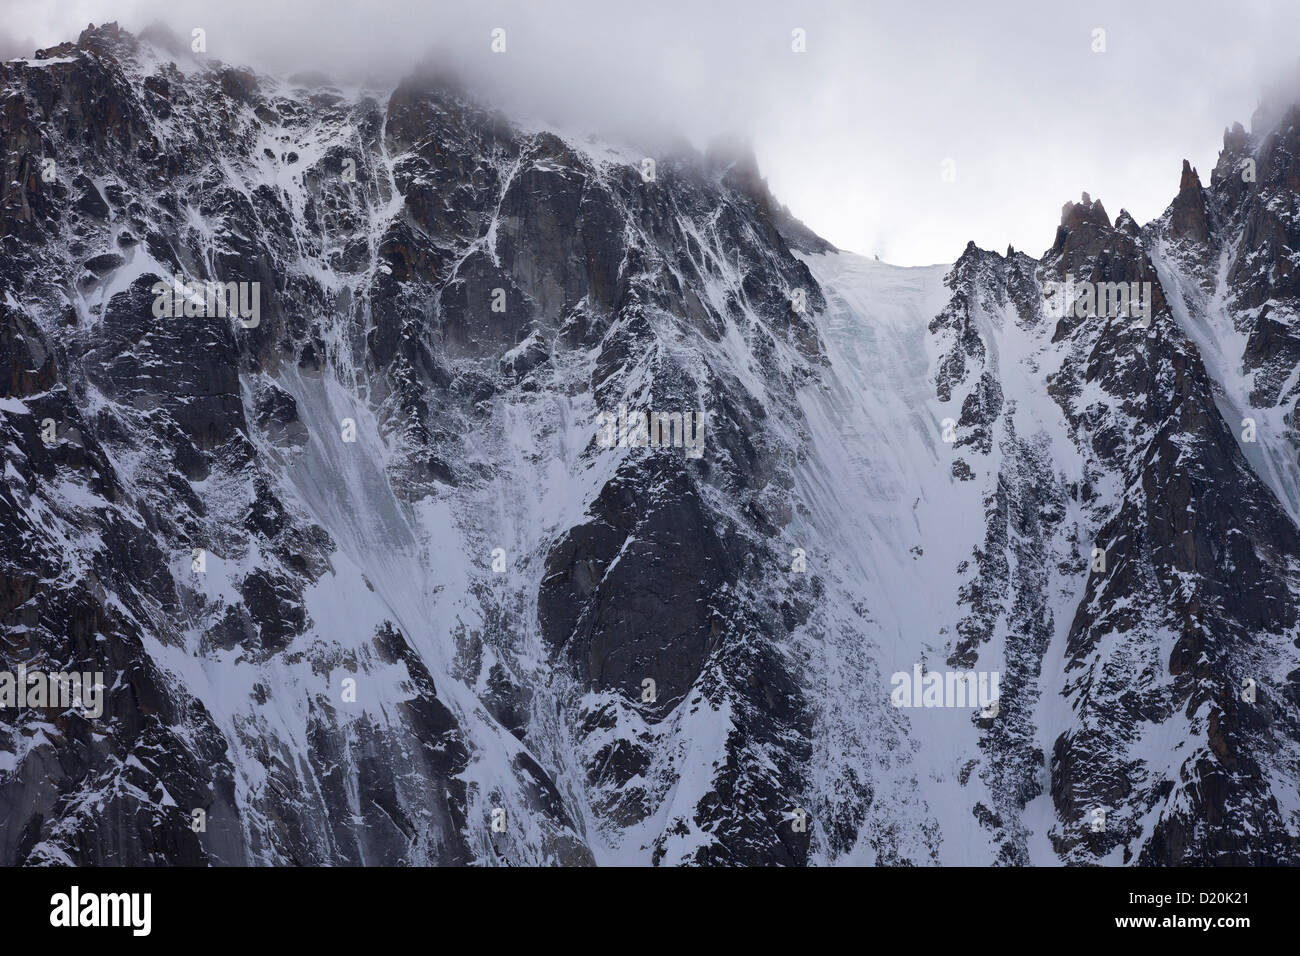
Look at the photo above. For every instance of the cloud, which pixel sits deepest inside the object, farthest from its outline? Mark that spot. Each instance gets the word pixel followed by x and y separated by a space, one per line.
pixel 852 133
pixel 12 47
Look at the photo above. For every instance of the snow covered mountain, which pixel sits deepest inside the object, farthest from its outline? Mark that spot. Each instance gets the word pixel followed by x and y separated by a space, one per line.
pixel 368 585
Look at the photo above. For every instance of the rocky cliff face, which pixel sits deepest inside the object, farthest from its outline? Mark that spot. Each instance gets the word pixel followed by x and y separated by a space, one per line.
pixel 370 582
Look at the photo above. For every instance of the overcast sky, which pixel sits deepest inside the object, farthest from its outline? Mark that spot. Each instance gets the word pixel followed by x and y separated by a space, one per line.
pixel 852 134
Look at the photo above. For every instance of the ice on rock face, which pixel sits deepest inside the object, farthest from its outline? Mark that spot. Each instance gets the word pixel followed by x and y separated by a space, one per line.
pixel 438 621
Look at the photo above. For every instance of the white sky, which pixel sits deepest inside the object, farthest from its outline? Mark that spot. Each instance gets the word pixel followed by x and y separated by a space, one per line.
pixel 852 134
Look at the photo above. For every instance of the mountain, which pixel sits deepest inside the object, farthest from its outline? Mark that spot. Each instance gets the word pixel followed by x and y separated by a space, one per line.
pixel 374 576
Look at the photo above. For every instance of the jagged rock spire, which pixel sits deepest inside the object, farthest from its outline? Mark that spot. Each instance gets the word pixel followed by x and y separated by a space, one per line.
pixel 1189 218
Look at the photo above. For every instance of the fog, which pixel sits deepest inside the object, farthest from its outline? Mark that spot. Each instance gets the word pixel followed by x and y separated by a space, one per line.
pixel 855 133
